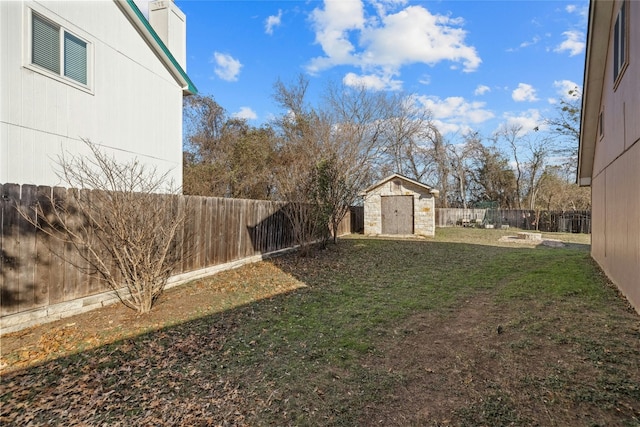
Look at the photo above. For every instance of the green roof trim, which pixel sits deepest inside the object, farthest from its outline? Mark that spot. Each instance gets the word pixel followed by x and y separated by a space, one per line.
pixel 190 86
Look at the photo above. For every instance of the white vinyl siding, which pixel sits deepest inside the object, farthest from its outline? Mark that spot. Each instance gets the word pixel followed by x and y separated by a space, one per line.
pixel 131 104
pixel 46 41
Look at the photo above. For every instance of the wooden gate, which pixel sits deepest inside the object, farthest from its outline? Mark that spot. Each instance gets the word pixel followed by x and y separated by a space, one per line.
pixel 397 214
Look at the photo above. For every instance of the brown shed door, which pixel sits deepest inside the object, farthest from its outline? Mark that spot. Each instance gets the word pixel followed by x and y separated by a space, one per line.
pixel 397 214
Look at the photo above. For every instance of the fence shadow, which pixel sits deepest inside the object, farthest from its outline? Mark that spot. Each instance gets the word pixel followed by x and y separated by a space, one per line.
pixel 37 271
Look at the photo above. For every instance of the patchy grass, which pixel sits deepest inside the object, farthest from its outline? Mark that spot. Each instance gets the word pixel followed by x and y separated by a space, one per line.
pixel 456 330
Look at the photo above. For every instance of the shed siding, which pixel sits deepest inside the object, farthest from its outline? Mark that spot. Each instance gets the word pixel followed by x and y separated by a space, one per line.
pixel 133 108
pixel 423 207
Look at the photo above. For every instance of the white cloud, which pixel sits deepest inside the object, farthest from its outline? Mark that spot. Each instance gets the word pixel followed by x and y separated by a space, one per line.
pixel 531 42
pixel 227 67
pixel 574 43
pixel 528 121
pixel 524 92
pixel 414 35
pixel 383 6
pixel 273 21
pixel 384 43
pixel 425 79
pixel 564 86
pixel 481 90
pixel 582 11
pixel 245 113
pixel 332 25
pixel 371 81
pixel 454 113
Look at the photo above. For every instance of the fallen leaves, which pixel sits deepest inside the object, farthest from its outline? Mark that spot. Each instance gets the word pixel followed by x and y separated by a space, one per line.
pixel 90 330
pixel 156 381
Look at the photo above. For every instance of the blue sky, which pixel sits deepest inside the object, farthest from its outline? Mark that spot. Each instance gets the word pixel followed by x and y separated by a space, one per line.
pixel 474 64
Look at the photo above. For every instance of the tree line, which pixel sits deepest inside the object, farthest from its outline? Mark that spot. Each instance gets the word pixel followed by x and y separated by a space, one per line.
pixel 326 154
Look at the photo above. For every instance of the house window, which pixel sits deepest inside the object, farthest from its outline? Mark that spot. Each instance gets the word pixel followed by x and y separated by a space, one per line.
pixel 601 124
pixel 57 50
pixel 620 42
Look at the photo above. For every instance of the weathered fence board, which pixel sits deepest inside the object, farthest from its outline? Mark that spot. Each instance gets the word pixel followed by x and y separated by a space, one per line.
pixel 37 270
pixel 549 221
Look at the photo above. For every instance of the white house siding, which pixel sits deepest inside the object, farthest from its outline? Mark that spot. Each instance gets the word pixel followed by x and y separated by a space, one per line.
pixel 616 169
pixel 133 107
pixel 423 207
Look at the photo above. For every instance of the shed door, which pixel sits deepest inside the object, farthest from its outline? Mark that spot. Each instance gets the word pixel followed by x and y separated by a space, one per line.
pixel 397 214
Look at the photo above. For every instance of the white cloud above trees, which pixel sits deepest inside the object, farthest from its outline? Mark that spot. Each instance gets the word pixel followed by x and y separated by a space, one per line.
pixel 226 67
pixel 273 21
pixel 245 113
pixel 454 114
pixel 381 44
pixel 372 81
pixel 564 86
pixel 528 120
pixel 574 43
pixel 481 90
pixel 524 92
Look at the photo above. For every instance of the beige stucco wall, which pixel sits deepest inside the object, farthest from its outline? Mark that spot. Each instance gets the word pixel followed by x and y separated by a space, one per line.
pixel 423 207
pixel 132 105
pixel 616 173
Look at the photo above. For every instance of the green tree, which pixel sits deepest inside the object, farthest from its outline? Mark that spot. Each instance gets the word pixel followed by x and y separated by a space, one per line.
pixel 492 178
pixel 225 156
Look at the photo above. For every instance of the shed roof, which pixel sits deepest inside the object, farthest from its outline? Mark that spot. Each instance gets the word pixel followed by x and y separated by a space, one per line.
pixel 404 178
pixel 157 45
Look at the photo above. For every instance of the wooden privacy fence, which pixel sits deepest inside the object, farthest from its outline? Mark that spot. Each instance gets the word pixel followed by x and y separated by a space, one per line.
pixel 35 275
pixel 353 222
pixel 549 221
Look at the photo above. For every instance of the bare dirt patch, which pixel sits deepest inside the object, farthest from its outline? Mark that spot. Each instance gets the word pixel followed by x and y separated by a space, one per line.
pixel 552 243
pixel 482 365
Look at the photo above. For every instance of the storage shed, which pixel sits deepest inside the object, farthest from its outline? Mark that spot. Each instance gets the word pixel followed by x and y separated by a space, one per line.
pixel 398 205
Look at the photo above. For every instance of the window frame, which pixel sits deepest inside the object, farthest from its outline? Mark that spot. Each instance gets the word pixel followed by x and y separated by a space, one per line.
pixel 620 42
pixel 601 124
pixel 63 31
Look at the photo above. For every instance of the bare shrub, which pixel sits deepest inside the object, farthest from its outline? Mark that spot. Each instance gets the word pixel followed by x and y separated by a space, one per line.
pixel 122 227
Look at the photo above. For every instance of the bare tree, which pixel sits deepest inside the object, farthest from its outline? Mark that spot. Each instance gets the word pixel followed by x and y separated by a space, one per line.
pixel 301 131
pixel 460 156
pixel 538 153
pixel 360 117
pixel 442 162
pixel 121 228
pixel 409 133
pixel 328 154
pixel 511 135
pixel 355 147
pixel 566 125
